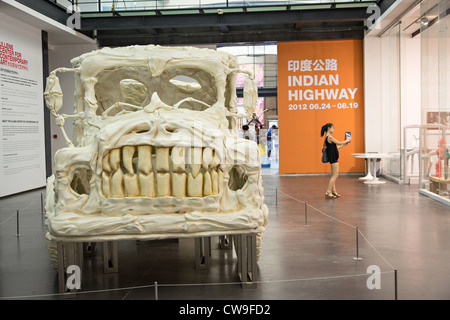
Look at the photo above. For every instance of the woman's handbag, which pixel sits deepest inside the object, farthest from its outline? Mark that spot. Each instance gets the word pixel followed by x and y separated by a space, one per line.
pixel 324 153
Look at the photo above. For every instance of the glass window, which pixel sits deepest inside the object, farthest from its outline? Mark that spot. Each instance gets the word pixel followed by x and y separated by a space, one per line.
pixel 390 107
pixel 435 137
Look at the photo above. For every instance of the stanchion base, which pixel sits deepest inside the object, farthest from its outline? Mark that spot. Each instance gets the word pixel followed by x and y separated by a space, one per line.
pixel 357 258
pixel 17 235
pixel 374 181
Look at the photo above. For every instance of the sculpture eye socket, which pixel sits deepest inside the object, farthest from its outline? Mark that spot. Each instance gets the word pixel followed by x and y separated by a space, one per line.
pixel 178 83
pixel 133 91
pixel 129 85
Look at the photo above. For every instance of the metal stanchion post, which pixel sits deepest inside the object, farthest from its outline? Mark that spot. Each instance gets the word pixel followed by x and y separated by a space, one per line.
pixel 395 284
pixel 276 197
pixel 17 227
pixel 357 246
pixel 42 204
pixel 306 214
pixel 156 290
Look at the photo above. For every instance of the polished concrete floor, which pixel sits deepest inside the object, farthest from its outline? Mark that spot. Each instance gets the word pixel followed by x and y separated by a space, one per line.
pixel 399 231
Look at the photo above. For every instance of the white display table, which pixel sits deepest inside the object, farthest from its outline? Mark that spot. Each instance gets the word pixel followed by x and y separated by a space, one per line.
pixel 368 176
pixel 371 157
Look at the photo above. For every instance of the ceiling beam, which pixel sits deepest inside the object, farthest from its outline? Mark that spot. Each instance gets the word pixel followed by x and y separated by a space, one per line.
pixel 231 37
pixel 224 28
pixel 229 19
pixel 48 9
pixel 384 5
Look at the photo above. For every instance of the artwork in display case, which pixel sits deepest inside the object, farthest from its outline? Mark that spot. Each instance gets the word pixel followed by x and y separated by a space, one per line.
pixel 439 181
pixel 435 157
pixel 155 151
pixel 435 117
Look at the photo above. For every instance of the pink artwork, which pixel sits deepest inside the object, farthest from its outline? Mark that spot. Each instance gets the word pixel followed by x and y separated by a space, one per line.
pixel 257 69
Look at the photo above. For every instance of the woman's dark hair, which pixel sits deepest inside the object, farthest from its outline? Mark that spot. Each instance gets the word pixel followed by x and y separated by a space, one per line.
pixel 325 129
pixel 245 127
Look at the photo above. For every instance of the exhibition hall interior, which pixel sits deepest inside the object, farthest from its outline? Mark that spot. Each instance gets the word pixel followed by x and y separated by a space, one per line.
pixel 174 150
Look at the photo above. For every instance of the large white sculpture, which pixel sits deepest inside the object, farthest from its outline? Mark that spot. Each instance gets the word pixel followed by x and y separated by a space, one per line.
pixel 155 152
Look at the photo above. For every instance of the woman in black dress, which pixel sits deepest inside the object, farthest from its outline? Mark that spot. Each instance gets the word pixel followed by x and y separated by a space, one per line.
pixel 333 155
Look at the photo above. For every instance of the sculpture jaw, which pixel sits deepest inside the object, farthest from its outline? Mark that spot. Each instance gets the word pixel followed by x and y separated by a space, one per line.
pixel 143 164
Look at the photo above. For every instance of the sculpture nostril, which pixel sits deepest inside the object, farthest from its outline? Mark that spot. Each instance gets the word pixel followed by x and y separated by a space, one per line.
pixel 238 178
pixel 80 182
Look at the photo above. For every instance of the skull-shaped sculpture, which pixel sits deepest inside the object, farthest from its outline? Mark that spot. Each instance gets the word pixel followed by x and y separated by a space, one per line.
pixel 155 150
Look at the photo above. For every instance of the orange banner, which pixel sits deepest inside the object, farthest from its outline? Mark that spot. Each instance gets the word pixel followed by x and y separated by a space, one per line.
pixel 319 82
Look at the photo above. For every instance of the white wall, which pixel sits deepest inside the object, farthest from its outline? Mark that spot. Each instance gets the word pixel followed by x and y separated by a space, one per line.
pixel 411 80
pixel 22 139
pixel 372 93
pixel 392 94
pixel 411 97
pixel 60 56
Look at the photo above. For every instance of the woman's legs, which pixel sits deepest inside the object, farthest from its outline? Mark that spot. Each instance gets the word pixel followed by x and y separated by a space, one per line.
pixel 333 188
pixel 334 175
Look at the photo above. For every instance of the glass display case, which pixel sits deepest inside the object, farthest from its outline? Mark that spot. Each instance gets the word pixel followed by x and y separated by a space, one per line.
pixel 434 164
pixel 435 104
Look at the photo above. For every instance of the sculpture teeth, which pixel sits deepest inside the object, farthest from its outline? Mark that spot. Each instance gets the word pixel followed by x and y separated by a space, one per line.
pixel 106 164
pixel 133 171
pixel 220 180
pixel 178 159
pixel 215 162
pixel 195 160
pixel 179 184
pixel 207 157
pixel 162 159
pixel 117 184
pixel 163 184
pixel 207 184
pixel 106 183
pixel 127 158
pixel 114 159
pixel 147 184
pixel 214 182
pixel 144 159
pixel 195 185
pixel 131 184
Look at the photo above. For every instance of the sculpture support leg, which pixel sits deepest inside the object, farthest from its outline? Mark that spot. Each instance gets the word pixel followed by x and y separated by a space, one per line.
pixel 110 257
pixel 246 253
pixel 69 254
pixel 225 242
pixel 61 269
pixel 89 249
pixel 202 252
